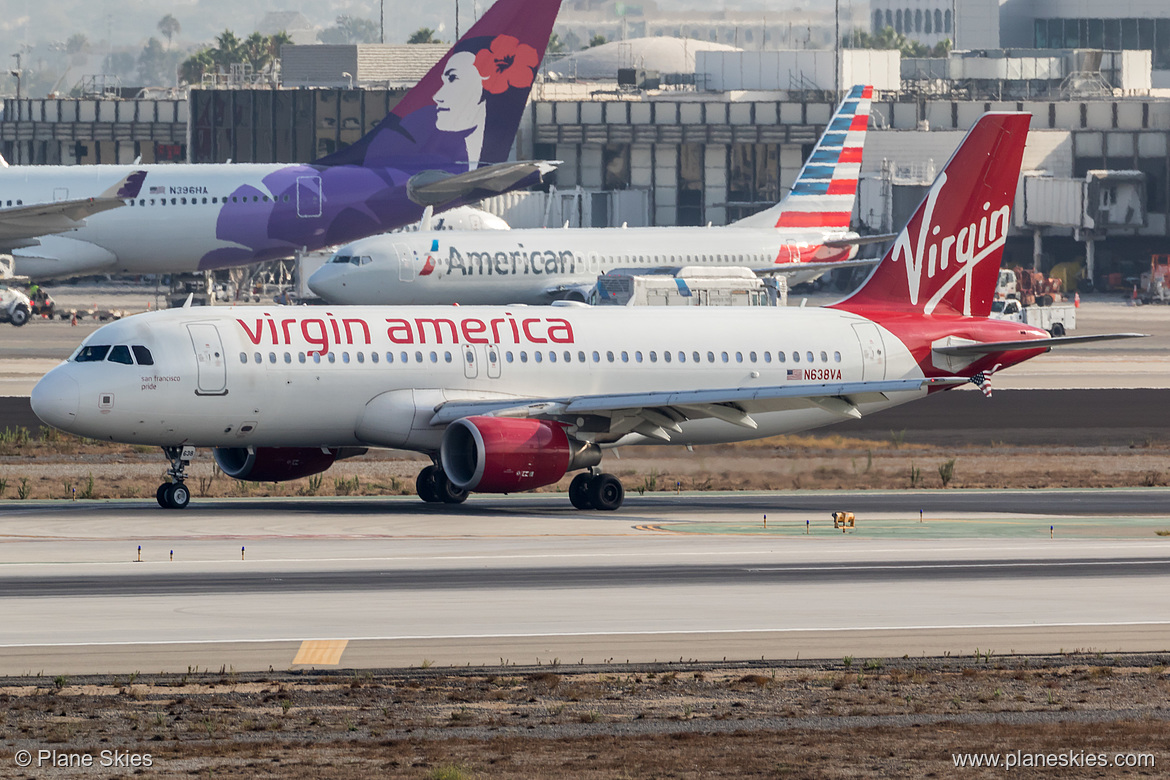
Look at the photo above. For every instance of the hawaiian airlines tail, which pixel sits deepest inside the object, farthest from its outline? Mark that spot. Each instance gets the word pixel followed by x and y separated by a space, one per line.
pixel 946 260
pixel 478 90
pixel 826 187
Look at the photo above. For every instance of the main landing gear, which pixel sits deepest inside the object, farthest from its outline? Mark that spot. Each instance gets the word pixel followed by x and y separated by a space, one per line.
pixel 590 490
pixel 175 494
pixel 434 487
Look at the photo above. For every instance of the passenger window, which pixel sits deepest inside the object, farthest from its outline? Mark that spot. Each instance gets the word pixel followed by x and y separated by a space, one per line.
pixel 596 357
pixel 257 358
pixel 447 356
pixel 523 356
pixel 625 356
pixel 580 357
pixel 316 357
pixel 723 355
pixel 609 356
pixel 373 357
pixel 142 355
pixel 665 356
pixel 738 357
pixel 406 357
pixel 418 357
pixel 682 356
pixel 752 356
pixel 568 356
pixel 361 357
pixel 389 357
pixel 809 355
pixel 767 357
pixel 695 356
pixel 93 354
pixel 653 356
pixel 837 357
pixel 121 354
pixel 344 357
pixel 795 357
pixel 710 357
pixel 287 357
pixel 781 357
pixel 552 356
pixel 538 356
pixel 824 357
pixel 300 357
pixel 469 355
pixel 271 357
pixel 508 356
pixel 332 357
pixel 434 357
pixel 638 356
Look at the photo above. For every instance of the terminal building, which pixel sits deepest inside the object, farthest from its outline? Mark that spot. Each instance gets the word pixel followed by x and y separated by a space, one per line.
pixel 667 130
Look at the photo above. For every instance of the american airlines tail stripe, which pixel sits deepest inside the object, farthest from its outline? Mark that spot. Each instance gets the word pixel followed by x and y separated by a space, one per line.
pixel 813 219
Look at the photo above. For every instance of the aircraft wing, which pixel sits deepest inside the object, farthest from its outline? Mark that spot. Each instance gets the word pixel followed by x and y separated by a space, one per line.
pixel 859 240
pixel 792 268
pixel 987 347
pixel 655 414
pixel 19 225
pixel 434 188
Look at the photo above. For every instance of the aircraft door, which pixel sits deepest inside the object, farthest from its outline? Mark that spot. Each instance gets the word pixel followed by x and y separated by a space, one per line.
pixel 60 194
pixel 873 356
pixel 493 361
pixel 405 263
pixel 470 361
pixel 209 359
pixel 309 196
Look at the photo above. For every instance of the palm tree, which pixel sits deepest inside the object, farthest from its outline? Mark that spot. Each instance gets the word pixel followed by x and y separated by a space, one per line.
pixel 169 26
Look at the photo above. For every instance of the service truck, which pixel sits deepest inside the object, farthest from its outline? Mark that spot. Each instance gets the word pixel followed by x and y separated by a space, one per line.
pixel 1056 318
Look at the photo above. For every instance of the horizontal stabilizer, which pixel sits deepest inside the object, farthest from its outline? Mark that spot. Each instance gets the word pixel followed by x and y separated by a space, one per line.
pixel 435 188
pixel 840 243
pixel 989 347
pixel 791 268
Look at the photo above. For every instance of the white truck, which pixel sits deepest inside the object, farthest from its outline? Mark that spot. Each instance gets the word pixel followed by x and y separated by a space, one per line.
pixel 1056 318
pixel 15 306
pixel 689 286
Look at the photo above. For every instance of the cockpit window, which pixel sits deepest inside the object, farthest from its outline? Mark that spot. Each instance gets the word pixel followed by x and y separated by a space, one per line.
pixel 120 354
pixel 92 353
pixel 365 260
pixel 341 258
pixel 142 355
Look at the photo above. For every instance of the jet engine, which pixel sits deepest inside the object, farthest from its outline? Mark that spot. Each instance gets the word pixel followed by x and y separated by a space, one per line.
pixel 279 464
pixel 506 455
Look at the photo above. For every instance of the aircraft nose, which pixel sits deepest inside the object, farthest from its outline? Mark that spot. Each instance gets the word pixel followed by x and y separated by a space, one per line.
pixel 327 280
pixel 55 399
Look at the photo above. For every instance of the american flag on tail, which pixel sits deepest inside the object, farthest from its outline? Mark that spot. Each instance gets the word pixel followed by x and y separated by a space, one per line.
pixel 982 380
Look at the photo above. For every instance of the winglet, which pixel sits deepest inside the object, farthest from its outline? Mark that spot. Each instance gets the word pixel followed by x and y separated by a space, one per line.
pixel 129 187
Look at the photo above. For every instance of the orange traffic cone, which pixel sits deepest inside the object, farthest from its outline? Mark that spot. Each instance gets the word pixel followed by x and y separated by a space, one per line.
pixel 1076 300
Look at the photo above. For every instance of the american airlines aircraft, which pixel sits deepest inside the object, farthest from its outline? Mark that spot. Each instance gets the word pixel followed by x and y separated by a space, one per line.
pixel 804 235
pixel 444 144
pixel 507 399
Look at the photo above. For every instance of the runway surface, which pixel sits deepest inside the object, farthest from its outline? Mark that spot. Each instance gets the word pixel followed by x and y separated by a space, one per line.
pixel 393 582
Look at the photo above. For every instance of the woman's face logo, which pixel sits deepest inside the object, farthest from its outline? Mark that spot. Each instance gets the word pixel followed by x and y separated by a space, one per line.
pixel 460 98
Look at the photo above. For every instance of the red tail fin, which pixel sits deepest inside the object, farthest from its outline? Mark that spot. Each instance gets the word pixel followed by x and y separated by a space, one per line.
pixel 946 260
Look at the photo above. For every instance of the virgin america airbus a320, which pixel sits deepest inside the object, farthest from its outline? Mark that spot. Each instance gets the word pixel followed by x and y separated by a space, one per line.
pixel 444 144
pixel 508 399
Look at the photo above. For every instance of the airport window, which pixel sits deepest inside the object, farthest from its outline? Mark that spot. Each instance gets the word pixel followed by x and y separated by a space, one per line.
pixel 596 357
pixel 609 356
pixel 809 355
pixel 723 355
pixel 795 357
pixel 257 358
pixel 271 357
pixel 361 357
pixel 344 357
pixel 653 356
pixel 447 356
pixel 710 357
pixel 638 356
pixel 142 355
pixel 300 357
pixel 332 357
pixel 824 357
pixel 738 357
pixel 665 356
pixel 120 354
pixel 836 357
pixel 523 356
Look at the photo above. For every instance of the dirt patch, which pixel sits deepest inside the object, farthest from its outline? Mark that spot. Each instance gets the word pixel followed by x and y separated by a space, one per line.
pixel 852 718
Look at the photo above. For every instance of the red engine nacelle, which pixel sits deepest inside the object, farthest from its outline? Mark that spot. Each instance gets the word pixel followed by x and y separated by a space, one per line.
pixel 503 455
pixel 273 464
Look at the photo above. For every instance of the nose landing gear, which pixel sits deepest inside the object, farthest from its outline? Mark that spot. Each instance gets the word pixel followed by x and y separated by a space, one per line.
pixel 175 494
pixel 590 490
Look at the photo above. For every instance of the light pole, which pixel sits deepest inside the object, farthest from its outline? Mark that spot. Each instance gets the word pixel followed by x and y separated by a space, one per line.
pixel 17 74
pixel 349 76
pixel 382 21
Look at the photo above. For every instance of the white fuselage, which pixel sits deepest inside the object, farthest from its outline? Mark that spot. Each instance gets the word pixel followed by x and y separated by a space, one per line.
pixel 536 266
pixel 366 376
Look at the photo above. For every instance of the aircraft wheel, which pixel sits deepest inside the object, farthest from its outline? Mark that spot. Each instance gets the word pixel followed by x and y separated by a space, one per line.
pixel 579 491
pixel 19 315
pixel 446 491
pixel 178 496
pixel 606 492
pixel 426 485
pixel 160 495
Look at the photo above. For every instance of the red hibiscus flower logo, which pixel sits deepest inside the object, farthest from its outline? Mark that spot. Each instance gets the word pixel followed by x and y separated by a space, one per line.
pixel 506 63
